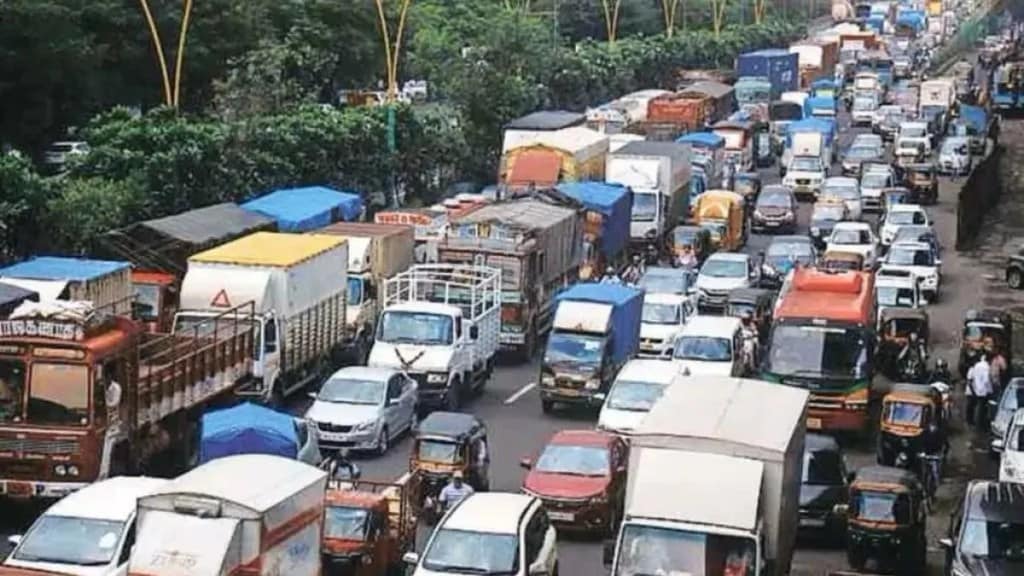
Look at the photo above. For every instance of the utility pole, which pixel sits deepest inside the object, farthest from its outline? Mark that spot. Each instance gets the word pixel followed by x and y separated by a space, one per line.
pixel 172 93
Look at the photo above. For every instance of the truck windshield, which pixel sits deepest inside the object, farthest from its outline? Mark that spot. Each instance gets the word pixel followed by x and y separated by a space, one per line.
pixel 647 550
pixel 634 396
pixel 345 523
pixel 71 541
pixel 806 164
pixel 703 349
pixel 574 348
pixel 752 94
pixel 58 394
pixel 654 313
pixel 12 390
pixel 416 328
pixel 354 291
pixel 645 206
pixel 817 351
pixel 469 552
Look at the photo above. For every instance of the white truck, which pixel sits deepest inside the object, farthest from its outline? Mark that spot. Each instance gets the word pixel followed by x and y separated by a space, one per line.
pixel 659 175
pixel 251 514
pixel 711 480
pixel 441 324
pixel 376 252
pixel 808 163
pixel 297 284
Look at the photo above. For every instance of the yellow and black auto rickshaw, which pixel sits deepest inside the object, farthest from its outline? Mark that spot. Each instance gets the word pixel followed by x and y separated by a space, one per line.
pixel 908 411
pixel 923 181
pixel 690 246
pixel 445 443
pixel 886 521
pixel 895 325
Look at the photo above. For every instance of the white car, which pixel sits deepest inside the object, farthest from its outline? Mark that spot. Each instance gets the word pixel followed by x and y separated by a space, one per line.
pixel 710 346
pixel 955 155
pixel 848 189
pixel 857 237
pixel 873 179
pixel 880 115
pixel 864 106
pixel 914 132
pixel 918 258
pixel 90 532
pixel 896 289
pixel 901 215
pixel 636 388
pixel 58 154
pixel 805 175
pixel 364 408
pixel 722 272
pixel 491 533
pixel 663 318
pixel 1011 462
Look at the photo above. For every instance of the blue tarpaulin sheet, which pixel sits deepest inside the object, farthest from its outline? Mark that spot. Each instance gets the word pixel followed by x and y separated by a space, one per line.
pixel 59 268
pixel 976 117
pixel 702 139
pixel 305 209
pixel 822 125
pixel 820 103
pixel 614 202
pixel 627 308
pixel 247 429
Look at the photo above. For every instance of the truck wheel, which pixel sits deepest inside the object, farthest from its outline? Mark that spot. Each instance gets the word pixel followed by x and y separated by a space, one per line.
pixel 547 406
pixel 1015 278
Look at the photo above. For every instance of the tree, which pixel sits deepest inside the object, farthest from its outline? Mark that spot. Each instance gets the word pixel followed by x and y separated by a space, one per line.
pixel 718 15
pixel 611 18
pixel 23 193
pixel 669 9
pixel 84 208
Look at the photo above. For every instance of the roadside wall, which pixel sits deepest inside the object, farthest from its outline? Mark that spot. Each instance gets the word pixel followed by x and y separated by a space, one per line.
pixel 979 193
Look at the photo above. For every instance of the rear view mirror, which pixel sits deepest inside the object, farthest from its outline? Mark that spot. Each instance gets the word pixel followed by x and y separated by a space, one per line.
pixel 411 558
pixel 998 445
pixel 946 543
pixel 312 395
pixel 526 463
pixel 14 540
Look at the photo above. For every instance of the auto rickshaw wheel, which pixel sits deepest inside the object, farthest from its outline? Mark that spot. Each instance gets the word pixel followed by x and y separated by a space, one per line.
pixel 1015 279
pixel 547 406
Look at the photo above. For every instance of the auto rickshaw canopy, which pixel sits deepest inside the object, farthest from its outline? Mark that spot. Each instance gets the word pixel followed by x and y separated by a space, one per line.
pixel 454 426
pixel 900 322
pixel 883 496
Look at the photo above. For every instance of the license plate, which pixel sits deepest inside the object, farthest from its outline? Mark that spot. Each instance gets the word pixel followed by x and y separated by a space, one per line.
pixel 568 392
pixel 814 423
pixel 772 223
pixel 562 516
pixel 812 522
pixel 19 489
pixel 332 436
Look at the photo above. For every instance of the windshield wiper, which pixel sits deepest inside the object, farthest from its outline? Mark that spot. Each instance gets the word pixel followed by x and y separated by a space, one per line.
pixel 455 568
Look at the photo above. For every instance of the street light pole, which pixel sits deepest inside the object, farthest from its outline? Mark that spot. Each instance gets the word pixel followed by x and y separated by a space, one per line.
pixel 161 60
pixel 171 98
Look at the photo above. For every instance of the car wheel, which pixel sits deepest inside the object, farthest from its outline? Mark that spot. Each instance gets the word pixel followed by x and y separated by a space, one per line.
pixel 1015 278
pixel 383 441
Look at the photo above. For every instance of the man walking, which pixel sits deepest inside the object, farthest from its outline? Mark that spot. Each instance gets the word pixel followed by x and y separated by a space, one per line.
pixel 979 390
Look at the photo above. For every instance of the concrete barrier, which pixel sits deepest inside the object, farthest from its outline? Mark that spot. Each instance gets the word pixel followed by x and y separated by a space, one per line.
pixel 979 193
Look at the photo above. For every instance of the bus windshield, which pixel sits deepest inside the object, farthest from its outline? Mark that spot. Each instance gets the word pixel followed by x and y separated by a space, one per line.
pixel 804 350
pixel 58 394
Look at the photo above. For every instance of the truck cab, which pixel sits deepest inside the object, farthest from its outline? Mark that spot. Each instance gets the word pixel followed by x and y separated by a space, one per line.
pixel 156 299
pixel 753 95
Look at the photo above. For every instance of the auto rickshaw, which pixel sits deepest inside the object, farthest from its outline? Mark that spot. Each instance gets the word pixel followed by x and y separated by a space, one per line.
pixel 894 196
pixel 748 185
pixel 689 246
pixel 908 410
pixel 894 328
pixel 723 213
pixel 886 520
pixel 759 302
pixel 841 261
pixel 985 331
pixel 445 443
pixel 923 181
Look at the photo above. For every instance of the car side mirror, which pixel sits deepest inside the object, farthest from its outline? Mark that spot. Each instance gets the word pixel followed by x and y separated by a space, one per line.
pixel 14 540
pixel 993 403
pixel 998 445
pixel 946 543
pixel 474 332
pixel 394 401
pixel 526 463
pixel 608 552
pixel 312 395
pixel 411 558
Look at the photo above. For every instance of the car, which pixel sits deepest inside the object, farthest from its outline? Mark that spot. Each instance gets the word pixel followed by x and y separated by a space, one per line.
pixel 490 533
pixel 873 179
pixel 805 175
pixel 1011 449
pixel 666 280
pixel 661 320
pixel 955 156
pixel 846 188
pixel 857 154
pixel 1002 411
pixel 90 532
pixel 902 66
pixel 824 484
pixel 986 532
pixel 857 237
pixel 880 115
pixel 896 289
pixel 889 124
pixel 58 153
pixel 864 106
pixel 1015 270
pixel 918 233
pixel 784 253
pixel 580 476
pixel 710 346
pixel 364 408
pixel 919 260
pixel 636 388
pixel 775 209
pixel 824 217
pixel 722 272
pixel 914 132
pixel 901 215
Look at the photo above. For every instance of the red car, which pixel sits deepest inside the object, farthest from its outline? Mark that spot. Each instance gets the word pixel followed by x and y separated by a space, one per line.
pixel 581 478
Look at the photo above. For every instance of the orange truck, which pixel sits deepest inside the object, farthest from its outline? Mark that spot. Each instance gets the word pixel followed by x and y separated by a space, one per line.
pixel 83 400
pixel 572 154
pixel 672 115
pixel 822 341
pixel 816 59
pixel 368 527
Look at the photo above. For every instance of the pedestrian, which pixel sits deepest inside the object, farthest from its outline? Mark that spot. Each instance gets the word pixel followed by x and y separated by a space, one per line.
pixel 978 391
pixel 998 368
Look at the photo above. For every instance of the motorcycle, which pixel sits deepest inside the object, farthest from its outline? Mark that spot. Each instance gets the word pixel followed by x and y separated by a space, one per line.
pixel 749 352
pixel 911 369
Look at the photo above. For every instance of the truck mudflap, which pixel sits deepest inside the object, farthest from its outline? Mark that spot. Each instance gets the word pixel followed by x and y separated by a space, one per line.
pixel 29 490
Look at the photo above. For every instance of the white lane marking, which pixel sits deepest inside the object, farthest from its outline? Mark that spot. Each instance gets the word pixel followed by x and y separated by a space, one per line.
pixel 519 393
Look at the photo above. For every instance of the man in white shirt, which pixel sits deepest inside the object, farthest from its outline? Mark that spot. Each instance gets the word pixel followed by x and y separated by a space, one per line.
pixel 978 391
pixel 455 490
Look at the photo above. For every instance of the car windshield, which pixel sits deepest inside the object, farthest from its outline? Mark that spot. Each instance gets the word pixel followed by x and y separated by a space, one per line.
pixel 703 348
pixel 345 523
pixel 864 103
pixel 351 391
pixel 879 507
pixel 645 206
pixel 910 257
pixel 895 296
pixel 997 540
pixel 817 351
pixel 806 164
pixel 72 541
pixel 651 550
pixel 722 268
pixel 399 327
pixel 574 460
pixel 58 394
pixel 913 132
pixel 438 451
pixel 903 217
pixel 841 191
pixel 912 234
pixel 775 200
pixel 634 395
pixel 566 347
pixel 12 390
pixel 852 236
pixel 823 468
pixel 874 180
pixel 828 213
pixel 861 153
pixel 674 282
pixel 792 250
pixel 903 413
pixel 656 313
pixel 463 551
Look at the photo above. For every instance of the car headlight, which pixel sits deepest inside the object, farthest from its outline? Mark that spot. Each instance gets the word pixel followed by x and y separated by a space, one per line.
pixel 599 499
pixel 364 426
pixel 437 378
pixel 788 216
pixel 547 380
pixel 60 470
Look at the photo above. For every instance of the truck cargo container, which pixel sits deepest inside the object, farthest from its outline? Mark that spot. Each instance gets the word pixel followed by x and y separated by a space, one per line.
pixel 858 40
pixel 572 154
pixel 297 283
pixel 441 325
pixel 707 467
pixel 686 110
pixel 596 330
pixel 816 59
pixel 105 284
pixel 605 224
pixel 613 117
pixel 525 130
pixel 305 209
pixel 721 99
pixel 658 173
pixel 253 514
pixel 376 252
pixel 778 66
pixel 707 158
pixel 536 242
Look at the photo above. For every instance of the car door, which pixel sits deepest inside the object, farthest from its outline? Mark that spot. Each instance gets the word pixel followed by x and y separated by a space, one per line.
pixel 539 553
pixel 393 411
pixel 409 400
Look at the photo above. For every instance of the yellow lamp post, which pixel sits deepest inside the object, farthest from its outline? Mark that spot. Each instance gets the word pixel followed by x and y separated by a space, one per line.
pixel 171 94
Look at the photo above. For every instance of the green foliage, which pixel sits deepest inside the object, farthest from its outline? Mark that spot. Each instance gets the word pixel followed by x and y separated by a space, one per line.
pixel 22 196
pixel 84 208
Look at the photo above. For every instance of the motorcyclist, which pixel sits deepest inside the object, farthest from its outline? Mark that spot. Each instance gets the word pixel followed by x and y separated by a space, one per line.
pixel 936 445
pixel 913 351
pixel 610 276
pixel 634 271
pixel 343 467
pixel 941 372
pixel 454 491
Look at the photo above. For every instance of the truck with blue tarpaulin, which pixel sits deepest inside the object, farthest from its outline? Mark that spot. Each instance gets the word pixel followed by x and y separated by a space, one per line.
pixel 706 162
pixel 252 429
pixel 820 107
pixel 107 284
pixel 1008 87
pixel 606 216
pixel 823 126
pixel 309 208
pixel 596 330
pixel 977 120
pixel 780 67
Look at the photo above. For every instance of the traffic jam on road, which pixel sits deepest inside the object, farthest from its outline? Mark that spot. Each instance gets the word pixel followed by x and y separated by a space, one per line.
pixel 707 331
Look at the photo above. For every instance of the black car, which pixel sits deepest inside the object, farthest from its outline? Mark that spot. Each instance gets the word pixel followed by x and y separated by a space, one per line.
pixel 823 485
pixel 823 220
pixel 986 532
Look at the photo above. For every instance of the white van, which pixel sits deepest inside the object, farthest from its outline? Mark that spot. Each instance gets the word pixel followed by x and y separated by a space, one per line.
pixel 637 387
pixel 710 346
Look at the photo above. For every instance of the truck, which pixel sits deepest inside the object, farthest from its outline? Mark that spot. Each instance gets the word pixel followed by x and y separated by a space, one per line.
pixel 368 527
pixel 525 130
pixel 429 225
pixel 103 283
pixel 249 514
pixel 159 250
pixel 1008 87
pixel 816 59
pixel 535 241
pixel 376 252
pixel 297 283
pixel 605 224
pixel 615 116
pixel 706 468
pixel 570 154
pixel 721 99
pixel 858 40
pixel 779 66
pixel 754 96
pixel 596 330
pixel 308 208
pixel 658 173
pixel 89 394
pixel 441 324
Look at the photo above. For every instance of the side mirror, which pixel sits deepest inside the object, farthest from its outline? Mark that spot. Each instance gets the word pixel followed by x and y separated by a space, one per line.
pixel 394 401
pixel 411 558
pixel 608 552
pixel 841 509
pixel 998 445
pixel 312 395
pixel 474 332
pixel 14 540
pixel 526 463
pixel 946 543
pixel 993 403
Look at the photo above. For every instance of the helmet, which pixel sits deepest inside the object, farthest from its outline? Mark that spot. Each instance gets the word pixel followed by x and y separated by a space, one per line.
pixel 940 364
